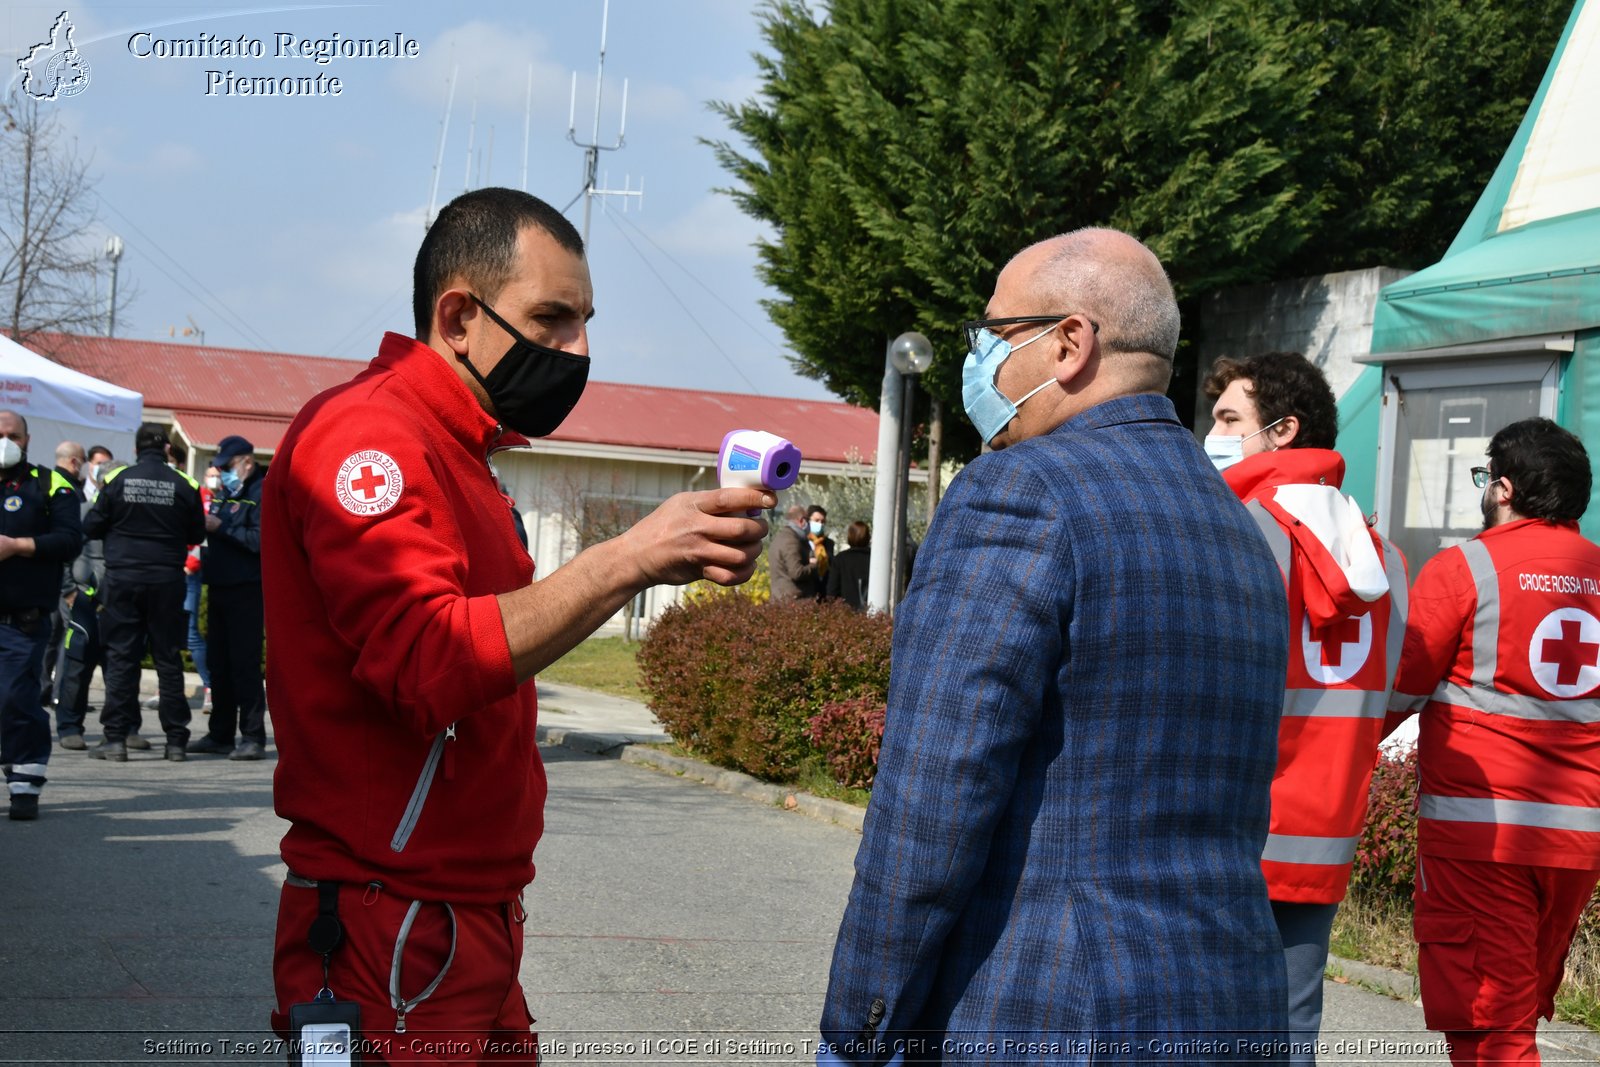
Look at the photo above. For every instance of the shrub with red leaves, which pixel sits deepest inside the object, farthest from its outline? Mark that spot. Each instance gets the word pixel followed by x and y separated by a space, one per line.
pixel 737 682
pixel 848 734
pixel 1386 858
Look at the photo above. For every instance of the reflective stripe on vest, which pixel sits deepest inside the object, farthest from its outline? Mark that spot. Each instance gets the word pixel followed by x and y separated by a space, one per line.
pixel 1510 813
pixel 1286 848
pixel 1486 620
pixel 1517 706
pixel 1482 695
pixel 1277 540
pixel 1334 703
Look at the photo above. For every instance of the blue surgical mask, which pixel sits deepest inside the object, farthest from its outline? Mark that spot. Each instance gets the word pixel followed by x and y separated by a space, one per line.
pixel 1224 450
pixel 816 527
pixel 230 481
pixel 989 409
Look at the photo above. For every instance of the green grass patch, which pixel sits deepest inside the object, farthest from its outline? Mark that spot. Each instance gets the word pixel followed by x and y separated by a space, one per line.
pixel 606 664
pixel 1375 932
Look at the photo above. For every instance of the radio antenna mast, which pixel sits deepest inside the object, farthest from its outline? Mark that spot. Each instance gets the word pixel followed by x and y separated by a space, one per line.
pixel 438 159
pixel 593 148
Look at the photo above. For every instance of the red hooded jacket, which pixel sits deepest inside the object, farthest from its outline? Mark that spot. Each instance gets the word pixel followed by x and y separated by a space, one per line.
pixel 1347 607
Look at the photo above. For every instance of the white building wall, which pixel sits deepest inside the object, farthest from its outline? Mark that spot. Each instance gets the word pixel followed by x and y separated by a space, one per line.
pixel 550 490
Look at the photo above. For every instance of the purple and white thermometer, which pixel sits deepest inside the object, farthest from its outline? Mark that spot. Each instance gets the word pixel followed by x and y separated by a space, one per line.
pixel 755 459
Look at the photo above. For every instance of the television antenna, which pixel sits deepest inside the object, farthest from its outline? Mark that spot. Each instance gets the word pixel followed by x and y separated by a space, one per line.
pixel 592 148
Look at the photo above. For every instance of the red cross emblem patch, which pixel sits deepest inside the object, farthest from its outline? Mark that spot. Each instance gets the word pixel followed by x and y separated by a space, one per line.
pixel 1339 651
pixel 369 483
pixel 1564 654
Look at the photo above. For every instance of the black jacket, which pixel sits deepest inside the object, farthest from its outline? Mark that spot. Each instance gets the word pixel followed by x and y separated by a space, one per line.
pixel 46 510
pixel 233 550
pixel 148 514
pixel 847 576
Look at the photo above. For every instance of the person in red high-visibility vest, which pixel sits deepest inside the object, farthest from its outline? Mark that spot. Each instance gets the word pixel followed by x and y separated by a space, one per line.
pixel 1502 657
pixel 1273 434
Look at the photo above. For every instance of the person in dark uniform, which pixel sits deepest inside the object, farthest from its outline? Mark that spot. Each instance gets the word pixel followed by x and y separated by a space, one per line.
pixel 81 650
pixel 149 514
pixel 232 568
pixel 69 464
pixel 39 531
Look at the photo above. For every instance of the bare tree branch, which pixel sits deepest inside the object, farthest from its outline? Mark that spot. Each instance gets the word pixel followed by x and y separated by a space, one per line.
pixel 49 256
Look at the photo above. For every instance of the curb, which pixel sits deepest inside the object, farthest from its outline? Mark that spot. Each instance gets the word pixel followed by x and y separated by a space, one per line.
pixel 1397 984
pixel 629 748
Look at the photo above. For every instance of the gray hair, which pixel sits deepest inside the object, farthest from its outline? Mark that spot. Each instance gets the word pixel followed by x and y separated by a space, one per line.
pixel 1127 294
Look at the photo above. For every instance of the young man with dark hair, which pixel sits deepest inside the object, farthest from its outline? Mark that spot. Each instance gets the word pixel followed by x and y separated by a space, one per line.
pixel 406 627
pixel 1275 424
pixel 1502 659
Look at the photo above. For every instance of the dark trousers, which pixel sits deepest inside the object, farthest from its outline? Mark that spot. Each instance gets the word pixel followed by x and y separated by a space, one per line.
pixel 233 647
pixel 1305 930
pixel 24 724
pixel 80 655
pixel 52 654
pixel 136 616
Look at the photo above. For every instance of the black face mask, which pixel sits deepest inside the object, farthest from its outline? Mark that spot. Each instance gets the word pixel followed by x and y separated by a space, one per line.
pixel 532 388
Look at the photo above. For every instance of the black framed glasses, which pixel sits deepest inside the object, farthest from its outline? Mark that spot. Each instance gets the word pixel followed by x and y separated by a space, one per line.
pixel 970 329
pixel 1481 477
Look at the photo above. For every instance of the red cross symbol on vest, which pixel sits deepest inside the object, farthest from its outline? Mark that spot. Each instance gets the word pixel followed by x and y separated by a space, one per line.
pixel 1564 654
pixel 1336 652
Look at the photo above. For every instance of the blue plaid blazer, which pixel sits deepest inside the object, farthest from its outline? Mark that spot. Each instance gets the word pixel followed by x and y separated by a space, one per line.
pixel 1064 840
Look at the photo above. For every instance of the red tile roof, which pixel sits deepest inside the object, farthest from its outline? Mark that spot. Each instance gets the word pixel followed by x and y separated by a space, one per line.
pixel 235 390
pixel 206 429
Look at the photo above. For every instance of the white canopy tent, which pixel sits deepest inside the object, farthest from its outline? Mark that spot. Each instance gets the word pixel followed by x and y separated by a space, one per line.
pixel 61 404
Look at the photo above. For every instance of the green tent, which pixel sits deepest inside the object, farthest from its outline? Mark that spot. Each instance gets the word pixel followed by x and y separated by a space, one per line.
pixel 1506 325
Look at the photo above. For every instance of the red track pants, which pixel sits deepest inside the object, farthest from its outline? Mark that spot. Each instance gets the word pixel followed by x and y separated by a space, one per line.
pixel 477 1013
pixel 1492 939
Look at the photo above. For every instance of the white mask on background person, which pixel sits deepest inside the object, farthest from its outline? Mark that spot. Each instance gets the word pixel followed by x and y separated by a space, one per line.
pixel 213 482
pixel 1224 450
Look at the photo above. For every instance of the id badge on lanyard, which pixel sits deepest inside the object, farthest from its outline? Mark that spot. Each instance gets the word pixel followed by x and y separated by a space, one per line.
pixel 325 1033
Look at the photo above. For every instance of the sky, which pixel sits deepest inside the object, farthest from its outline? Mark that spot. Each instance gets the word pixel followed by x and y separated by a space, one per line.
pixel 290 223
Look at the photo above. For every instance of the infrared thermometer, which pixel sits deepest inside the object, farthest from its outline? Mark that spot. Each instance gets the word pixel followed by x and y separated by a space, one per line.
pixel 755 459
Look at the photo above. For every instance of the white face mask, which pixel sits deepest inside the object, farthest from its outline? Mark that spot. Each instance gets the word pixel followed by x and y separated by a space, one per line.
pixel 1224 450
pixel 10 453
pixel 213 482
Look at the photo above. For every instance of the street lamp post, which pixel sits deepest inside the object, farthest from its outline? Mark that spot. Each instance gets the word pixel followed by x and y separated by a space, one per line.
pixel 908 356
pixel 114 254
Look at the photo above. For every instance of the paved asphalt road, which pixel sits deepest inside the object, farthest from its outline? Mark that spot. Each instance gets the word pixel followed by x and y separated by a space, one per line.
pixel 138 915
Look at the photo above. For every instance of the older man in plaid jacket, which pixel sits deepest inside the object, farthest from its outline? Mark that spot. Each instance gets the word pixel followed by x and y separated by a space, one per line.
pixel 1061 860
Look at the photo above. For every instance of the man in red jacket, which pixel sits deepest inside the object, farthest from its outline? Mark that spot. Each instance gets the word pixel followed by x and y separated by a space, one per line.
pixel 1275 424
pixel 1502 657
pixel 406 628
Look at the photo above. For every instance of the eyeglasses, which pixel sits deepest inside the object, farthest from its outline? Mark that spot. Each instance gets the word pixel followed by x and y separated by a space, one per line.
pixel 1481 476
pixel 970 329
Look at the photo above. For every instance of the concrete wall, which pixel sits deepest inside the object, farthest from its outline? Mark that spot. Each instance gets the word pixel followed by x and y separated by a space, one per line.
pixel 1329 318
